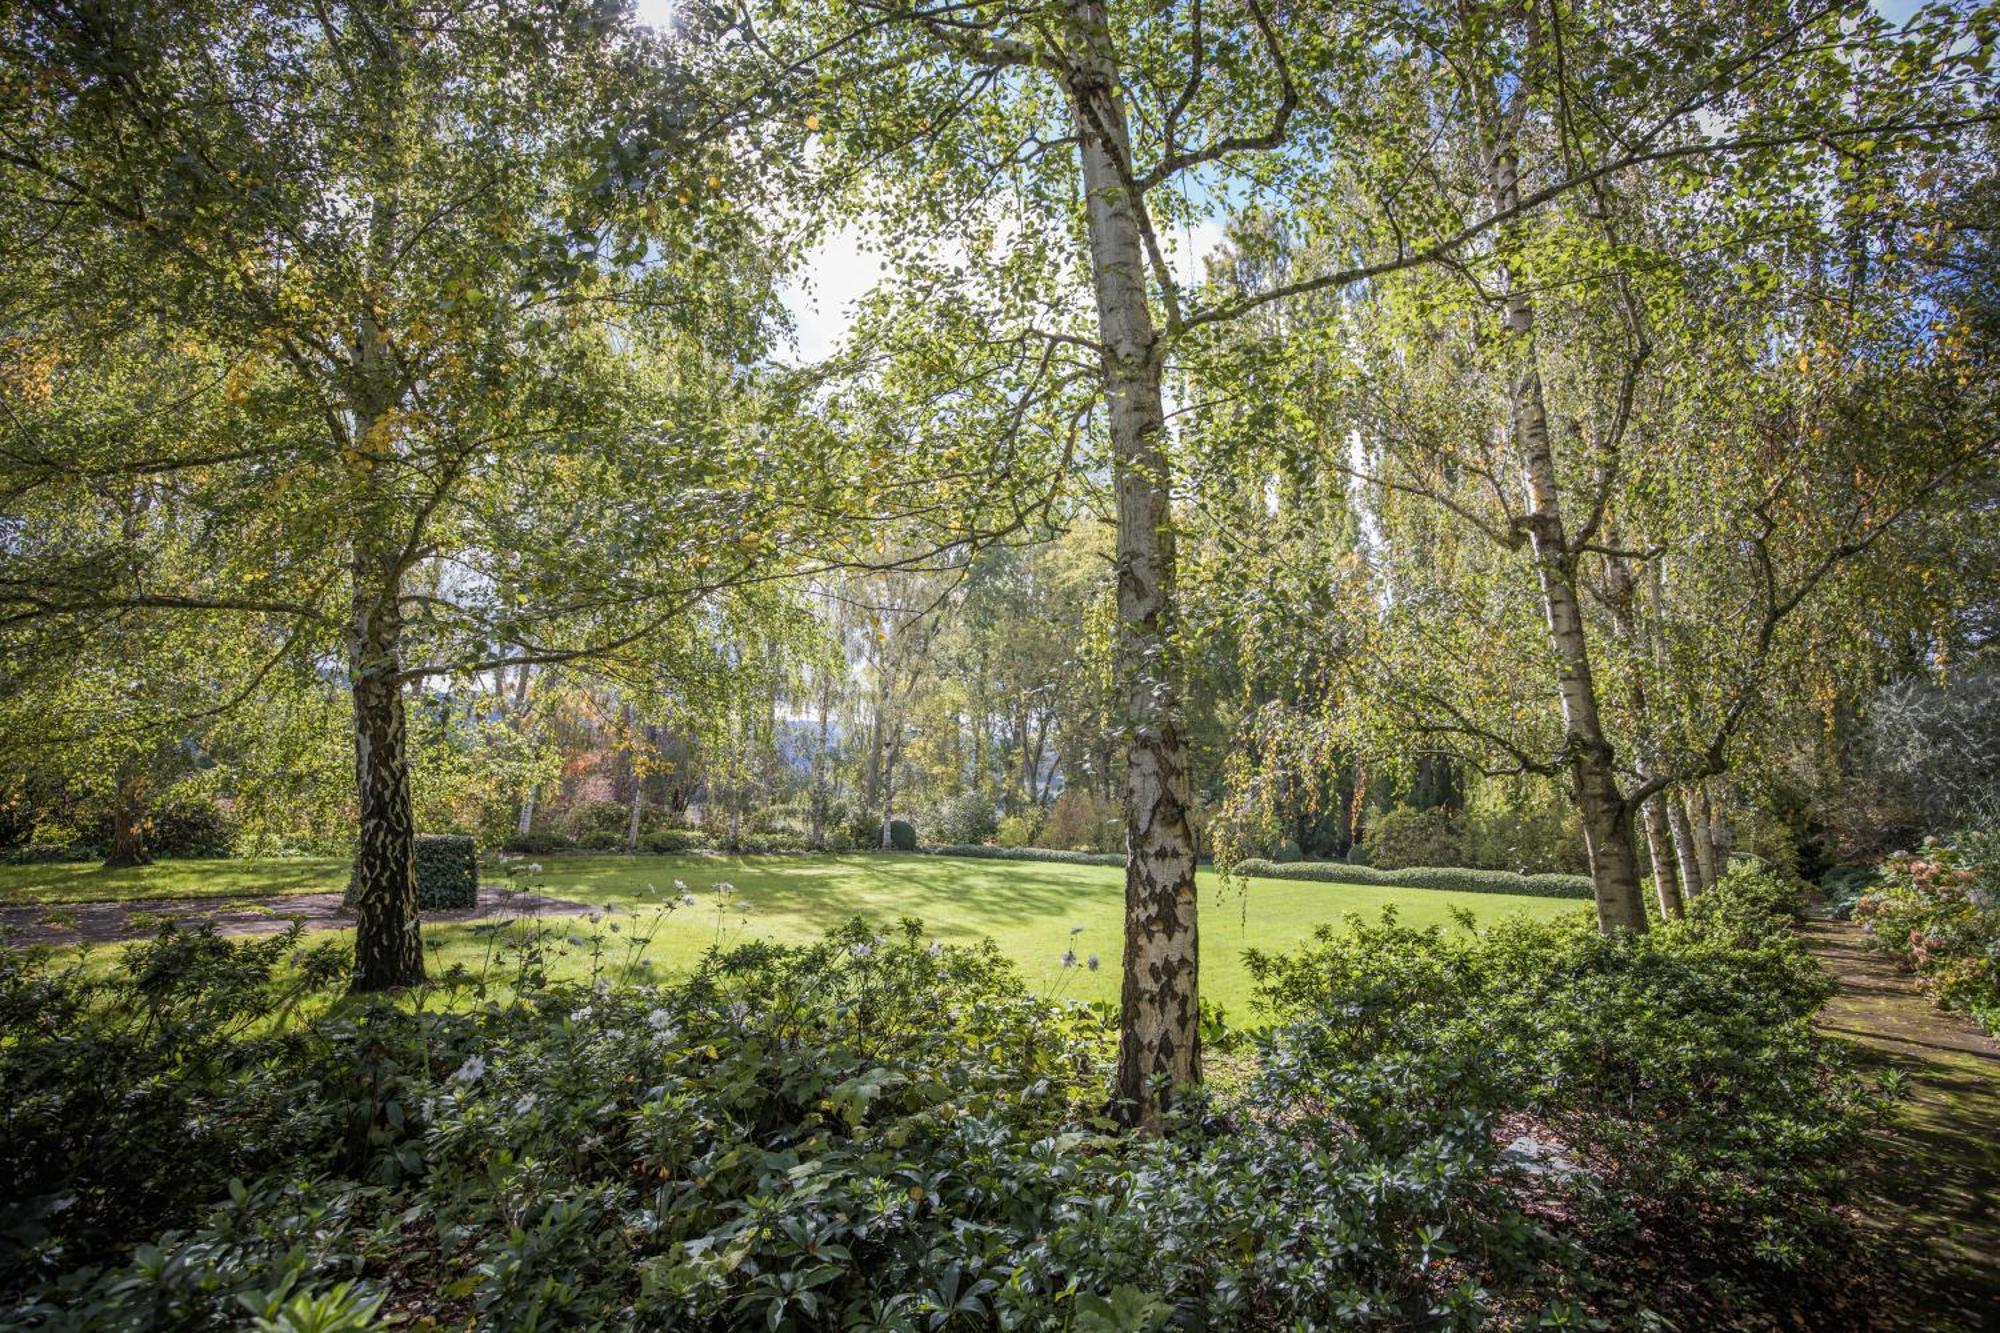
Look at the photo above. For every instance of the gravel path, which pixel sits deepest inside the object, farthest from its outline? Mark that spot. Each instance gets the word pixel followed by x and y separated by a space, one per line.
pixel 106 923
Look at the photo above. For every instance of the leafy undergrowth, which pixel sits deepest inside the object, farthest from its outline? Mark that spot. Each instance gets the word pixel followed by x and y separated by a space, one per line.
pixel 878 1131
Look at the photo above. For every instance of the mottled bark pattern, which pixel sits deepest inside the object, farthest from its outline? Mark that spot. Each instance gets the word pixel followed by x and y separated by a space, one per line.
pixel 1159 1036
pixel 387 950
pixel 1607 826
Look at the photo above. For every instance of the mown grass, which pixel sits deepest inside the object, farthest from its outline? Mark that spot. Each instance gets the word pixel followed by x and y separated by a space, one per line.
pixel 1034 911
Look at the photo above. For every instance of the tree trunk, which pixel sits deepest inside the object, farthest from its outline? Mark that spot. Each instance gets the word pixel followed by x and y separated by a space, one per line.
pixel 1607 826
pixel 128 823
pixel 1710 850
pixel 1159 1047
pixel 388 951
pixel 819 801
pixel 638 810
pixel 1686 850
pixel 526 823
pixel 1666 885
pixel 888 843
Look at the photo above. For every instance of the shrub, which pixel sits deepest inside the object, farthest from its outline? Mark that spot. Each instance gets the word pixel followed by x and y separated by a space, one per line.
pixel 601 840
pixel 877 1130
pixel 447 866
pixel 1671 1083
pixel 538 844
pixel 1404 837
pixel 902 835
pixel 588 817
pixel 129 1097
pixel 1457 879
pixel 966 818
pixel 1938 912
pixel 1032 854
pixel 668 841
pixel 1015 831
pixel 447 872
pixel 1843 887
pixel 765 844
pixel 189 824
pixel 47 853
pixel 1079 822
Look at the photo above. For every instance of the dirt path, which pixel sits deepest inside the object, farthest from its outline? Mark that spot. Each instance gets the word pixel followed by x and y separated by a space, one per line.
pixel 106 923
pixel 1932 1188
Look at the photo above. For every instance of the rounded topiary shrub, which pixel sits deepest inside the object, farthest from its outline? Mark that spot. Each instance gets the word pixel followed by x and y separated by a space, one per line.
pixel 902 835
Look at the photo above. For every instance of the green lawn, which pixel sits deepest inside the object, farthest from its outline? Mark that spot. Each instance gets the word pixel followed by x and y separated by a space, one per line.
pixel 89 882
pixel 1033 910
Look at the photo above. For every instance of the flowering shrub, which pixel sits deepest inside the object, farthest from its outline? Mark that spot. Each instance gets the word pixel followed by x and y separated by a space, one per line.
pixel 1938 910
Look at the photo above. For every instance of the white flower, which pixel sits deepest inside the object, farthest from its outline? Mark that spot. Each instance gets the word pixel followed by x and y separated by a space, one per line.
pixel 534 867
pixel 471 1071
pixel 861 950
pixel 1069 958
pixel 682 885
pixel 1091 962
pixel 936 948
pixel 687 900
pixel 659 1020
pixel 524 1103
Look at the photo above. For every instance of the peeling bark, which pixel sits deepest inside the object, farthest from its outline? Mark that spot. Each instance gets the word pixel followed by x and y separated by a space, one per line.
pixel 1159 1031
pixel 1607 825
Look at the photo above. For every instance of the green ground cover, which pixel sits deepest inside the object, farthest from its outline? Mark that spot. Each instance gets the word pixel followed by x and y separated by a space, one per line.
pixel 1034 911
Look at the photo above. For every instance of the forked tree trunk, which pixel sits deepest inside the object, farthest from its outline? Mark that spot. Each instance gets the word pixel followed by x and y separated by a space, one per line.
pixel 1159 1046
pixel 128 824
pixel 387 949
pixel 1607 826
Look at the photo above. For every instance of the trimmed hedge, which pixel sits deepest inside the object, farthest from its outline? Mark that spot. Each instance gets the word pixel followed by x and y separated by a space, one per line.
pixel 1030 854
pixel 538 844
pixel 447 866
pixel 668 841
pixel 447 872
pixel 902 835
pixel 1457 879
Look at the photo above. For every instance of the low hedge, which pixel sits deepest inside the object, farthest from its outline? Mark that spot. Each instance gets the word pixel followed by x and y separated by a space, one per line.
pixel 1030 854
pixel 538 844
pixel 1457 879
